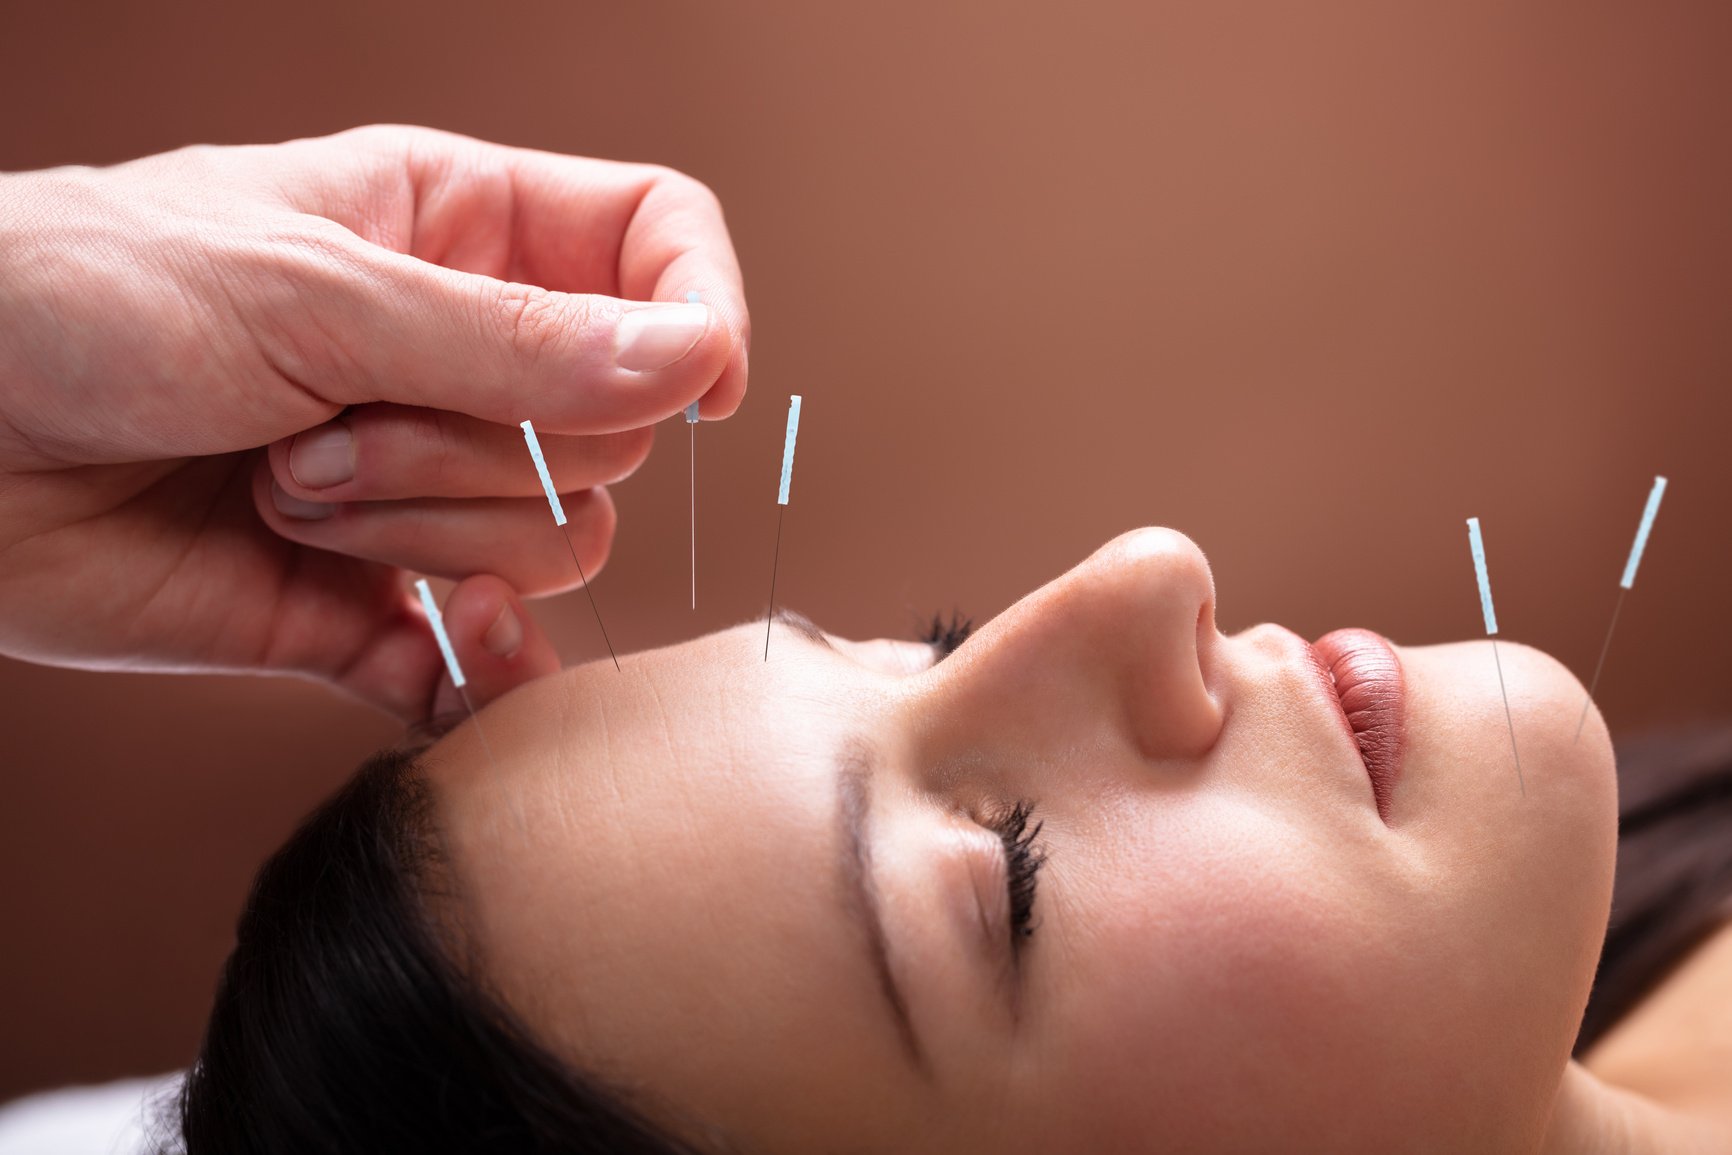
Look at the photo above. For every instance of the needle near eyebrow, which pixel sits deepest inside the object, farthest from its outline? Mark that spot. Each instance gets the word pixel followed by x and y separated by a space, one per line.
pixel 692 428
pixel 534 444
pixel 583 577
pixel 782 501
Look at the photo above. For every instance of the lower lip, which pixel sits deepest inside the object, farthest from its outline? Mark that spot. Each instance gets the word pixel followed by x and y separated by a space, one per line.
pixel 1367 677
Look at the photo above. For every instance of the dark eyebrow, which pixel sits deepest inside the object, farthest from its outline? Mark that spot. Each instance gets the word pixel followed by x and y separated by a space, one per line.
pixel 802 625
pixel 812 631
pixel 853 811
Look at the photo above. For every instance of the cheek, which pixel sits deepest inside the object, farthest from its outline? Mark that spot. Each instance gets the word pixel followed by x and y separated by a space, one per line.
pixel 1259 994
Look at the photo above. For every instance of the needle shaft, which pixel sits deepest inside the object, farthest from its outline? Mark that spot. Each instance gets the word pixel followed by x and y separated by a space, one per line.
pixel 459 682
pixel 781 511
pixel 1507 718
pixel 566 534
pixel 493 764
pixel 694 471
pixel 1605 648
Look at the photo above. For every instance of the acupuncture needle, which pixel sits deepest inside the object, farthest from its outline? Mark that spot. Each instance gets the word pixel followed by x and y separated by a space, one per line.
pixel 692 429
pixel 1477 544
pixel 455 669
pixel 559 519
pixel 782 507
pixel 1624 584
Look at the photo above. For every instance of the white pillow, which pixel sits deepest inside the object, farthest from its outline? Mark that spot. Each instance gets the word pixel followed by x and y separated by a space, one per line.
pixel 117 1118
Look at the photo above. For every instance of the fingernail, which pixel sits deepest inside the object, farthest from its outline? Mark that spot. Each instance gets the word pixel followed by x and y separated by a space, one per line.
pixel 505 635
pixel 323 457
pixel 296 508
pixel 655 336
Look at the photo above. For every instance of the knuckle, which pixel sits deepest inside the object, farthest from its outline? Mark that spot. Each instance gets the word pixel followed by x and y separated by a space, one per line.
pixel 194 162
pixel 533 321
pixel 287 265
pixel 366 135
pixel 383 135
pixel 323 247
pixel 670 186
pixel 417 537
pixel 291 289
pixel 399 147
pixel 440 443
pixel 692 190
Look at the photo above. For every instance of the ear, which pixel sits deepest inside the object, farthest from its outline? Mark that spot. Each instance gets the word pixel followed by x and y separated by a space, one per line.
pixel 499 645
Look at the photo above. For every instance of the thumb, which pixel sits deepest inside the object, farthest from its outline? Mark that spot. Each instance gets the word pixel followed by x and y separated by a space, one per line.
pixel 498 644
pixel 416 333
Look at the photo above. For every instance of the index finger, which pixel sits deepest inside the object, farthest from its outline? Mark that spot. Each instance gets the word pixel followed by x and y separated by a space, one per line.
pixel 572 224
pixel 666 232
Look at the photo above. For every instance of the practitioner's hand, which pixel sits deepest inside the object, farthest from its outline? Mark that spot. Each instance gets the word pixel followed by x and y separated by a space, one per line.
pixel 399 299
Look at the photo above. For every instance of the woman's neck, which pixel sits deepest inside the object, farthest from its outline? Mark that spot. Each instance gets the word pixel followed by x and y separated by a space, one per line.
pixel 1592 1117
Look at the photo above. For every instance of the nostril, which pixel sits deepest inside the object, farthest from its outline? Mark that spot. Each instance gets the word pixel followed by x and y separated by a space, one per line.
pixel 1205 637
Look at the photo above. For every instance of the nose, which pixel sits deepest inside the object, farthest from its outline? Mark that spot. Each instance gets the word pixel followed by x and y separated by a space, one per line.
pixel 1118 649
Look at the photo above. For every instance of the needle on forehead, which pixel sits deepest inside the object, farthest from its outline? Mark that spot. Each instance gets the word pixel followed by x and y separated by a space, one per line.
pixel 1477 545
pixel 692 429
pixel 782 504
pixel 455 669
pixel 534 444
pixel 1624 585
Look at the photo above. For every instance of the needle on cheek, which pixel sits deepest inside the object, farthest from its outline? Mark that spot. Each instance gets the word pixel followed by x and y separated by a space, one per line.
pixel 559 520
pixel 1477 544
pixel 455 669
pixel 1629 580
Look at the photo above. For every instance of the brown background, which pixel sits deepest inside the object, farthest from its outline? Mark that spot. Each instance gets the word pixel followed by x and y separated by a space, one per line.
pixel 1312 286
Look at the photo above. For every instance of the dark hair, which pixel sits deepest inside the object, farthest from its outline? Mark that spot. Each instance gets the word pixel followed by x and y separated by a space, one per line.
pixel 341 1024
pixel 1674 880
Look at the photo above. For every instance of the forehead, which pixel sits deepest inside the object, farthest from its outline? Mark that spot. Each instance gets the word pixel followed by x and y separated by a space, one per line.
pixel 589 757
pixel 668 908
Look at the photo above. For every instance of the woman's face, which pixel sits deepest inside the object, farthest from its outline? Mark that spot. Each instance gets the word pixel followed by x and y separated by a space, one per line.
pixel 772 894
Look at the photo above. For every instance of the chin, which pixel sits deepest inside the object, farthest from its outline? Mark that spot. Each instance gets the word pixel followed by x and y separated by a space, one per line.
pixel 1566 749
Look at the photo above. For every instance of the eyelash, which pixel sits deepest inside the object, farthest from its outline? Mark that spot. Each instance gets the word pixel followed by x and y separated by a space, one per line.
pixel 1024 857
pixel 1023 854
pixel 944 635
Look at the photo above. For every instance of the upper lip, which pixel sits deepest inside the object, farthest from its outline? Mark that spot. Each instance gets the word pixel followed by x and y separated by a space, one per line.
pixel 1365 681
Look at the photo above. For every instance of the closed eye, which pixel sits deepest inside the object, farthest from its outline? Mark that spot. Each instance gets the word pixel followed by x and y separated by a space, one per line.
pixel 946 634
pixel 1024 855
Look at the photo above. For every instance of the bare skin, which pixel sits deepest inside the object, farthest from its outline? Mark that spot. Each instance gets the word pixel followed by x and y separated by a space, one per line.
pixel 1231 949
pixel 1675 1047
pixel 271 378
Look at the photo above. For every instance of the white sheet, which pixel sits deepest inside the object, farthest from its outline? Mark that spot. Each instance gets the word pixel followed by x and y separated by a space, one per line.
pixel 110 1119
